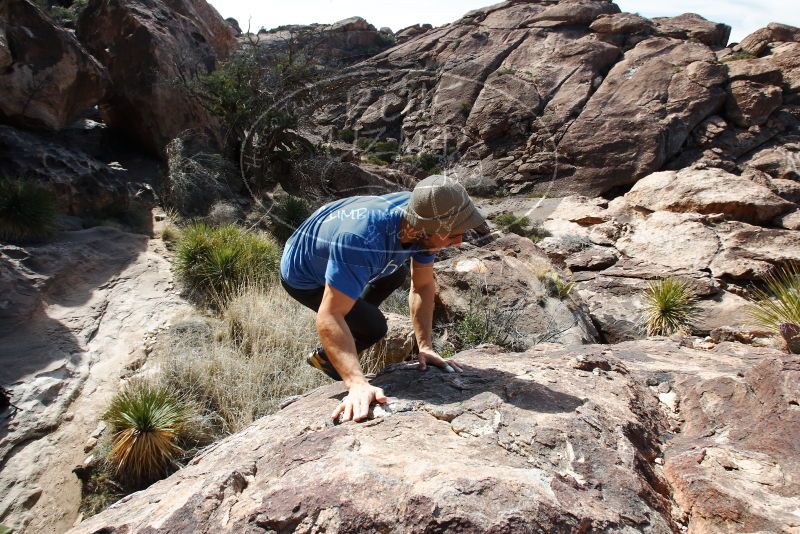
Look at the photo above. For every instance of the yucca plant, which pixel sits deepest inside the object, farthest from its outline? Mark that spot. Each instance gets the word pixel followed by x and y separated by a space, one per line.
pixel 147 422
pixel 776 307
pixel 27 211
pixel 214 262
pixel 287 214
pixel 670 307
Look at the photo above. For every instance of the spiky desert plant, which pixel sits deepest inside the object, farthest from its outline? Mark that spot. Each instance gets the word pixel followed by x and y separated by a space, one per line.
pixel 27 211
pixel 214 262
pixel 670 307
pixel 556 286
pixel 776 307
pixel 287 214
pixel 147 422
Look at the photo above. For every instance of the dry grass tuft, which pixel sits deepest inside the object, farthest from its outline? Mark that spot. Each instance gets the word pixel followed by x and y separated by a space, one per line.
pixel 254 359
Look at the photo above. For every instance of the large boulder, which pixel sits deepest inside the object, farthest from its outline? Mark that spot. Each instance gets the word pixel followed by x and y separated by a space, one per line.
pixel 641 115
pixel 739 434
pixel 510 282
pixel 758 41
pixel 154 50
pixel 708 191
pixel 47 79
pixel 750 103
pixel 572 12
pixel 554 439
pixel 693 26
pixel 622 23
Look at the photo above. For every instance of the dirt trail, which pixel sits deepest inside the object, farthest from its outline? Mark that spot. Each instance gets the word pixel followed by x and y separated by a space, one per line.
pixel 105 290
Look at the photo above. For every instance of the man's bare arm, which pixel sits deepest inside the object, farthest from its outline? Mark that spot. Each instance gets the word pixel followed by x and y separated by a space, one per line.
pixel 340 348
pixel 421 304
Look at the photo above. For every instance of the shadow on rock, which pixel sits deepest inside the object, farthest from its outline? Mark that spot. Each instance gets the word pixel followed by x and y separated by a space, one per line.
pixel 436 387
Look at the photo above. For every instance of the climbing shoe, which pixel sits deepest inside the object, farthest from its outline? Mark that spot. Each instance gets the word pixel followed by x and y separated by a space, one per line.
pixel 316 358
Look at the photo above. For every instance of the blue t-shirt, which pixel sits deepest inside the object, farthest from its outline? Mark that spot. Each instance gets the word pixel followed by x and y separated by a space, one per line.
pixel 349 243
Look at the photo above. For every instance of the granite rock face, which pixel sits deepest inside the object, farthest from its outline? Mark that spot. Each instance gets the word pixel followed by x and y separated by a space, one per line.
pixel 553 439
pixel 573 96
pixel 152 49
pixel 47 79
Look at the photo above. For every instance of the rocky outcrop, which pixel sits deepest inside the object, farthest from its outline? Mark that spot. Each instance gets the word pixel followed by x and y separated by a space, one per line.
pixel 509 282
pixel 708 191
pixel 656 95
pixel 74 312
pixel 82 182
pixel 591 438
pixel 718 231
pixel 153 50
pixel 693 26
pixel 47 79
pixel 571 96
pixel 335 45
pixel 409 32
pixel 758 42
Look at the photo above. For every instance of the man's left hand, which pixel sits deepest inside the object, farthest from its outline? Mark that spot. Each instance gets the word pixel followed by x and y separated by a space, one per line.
pixel 430 357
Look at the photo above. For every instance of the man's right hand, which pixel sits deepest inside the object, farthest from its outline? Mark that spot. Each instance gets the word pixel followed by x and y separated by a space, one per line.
pixel 356 404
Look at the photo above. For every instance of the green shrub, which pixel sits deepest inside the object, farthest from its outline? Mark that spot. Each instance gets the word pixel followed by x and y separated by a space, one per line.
pixel 196 177
pixel 537 232
pixel 777 306
pixel 347 135
pixel 147 423
pixel 375 160
pixel 214 262
pixel 520 225
pixel 426 161
pixel 736 56
pixel 27 211
pixel 508 222
pixel 287 214
pixel 670 307
pixel 556 286
pixel 466 108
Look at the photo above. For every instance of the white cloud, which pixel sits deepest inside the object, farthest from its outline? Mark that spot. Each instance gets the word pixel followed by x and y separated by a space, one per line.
pixel 744 16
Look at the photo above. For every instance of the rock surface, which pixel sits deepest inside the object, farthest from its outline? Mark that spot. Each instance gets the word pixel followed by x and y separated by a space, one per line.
pixel 74 312
pixel 47 79
pixel 509 281
pixel 687 224
pixel 342 43
pixel 80 168
pixel 570 96
pixel 152 49
pixel 547 440
pixel 708 191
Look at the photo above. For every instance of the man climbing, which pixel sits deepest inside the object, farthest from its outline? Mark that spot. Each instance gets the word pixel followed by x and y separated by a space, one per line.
pixel 351 254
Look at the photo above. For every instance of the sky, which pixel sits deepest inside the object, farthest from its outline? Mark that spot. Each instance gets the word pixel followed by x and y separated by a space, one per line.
pixel 744 16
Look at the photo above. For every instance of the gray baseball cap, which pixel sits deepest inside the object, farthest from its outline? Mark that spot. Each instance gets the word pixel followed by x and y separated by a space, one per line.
pixel 440 205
